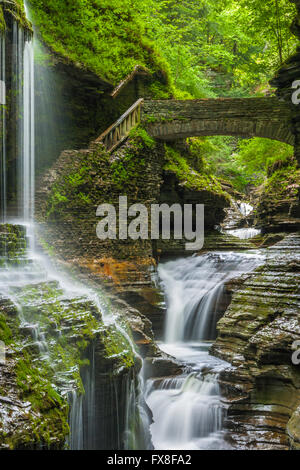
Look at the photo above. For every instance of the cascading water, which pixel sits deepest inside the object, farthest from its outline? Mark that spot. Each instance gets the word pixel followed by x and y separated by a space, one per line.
pixel 28 157
pixel 3 195
pixel 32 268
pixel 194 292
pixel 244 233
pixel 245 208
pixel 188 412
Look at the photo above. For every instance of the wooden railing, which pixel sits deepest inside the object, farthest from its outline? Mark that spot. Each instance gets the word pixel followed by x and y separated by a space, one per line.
pixel 119 131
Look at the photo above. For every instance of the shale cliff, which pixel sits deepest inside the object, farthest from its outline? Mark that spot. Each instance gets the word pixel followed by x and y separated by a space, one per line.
pixel 256 335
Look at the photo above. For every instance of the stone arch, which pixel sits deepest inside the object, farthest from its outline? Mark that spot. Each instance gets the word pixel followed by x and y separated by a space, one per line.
pixel 172 120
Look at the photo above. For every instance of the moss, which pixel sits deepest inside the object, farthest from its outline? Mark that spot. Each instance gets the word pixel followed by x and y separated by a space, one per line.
pixel 118 349
pixel 283 182
pixel 98 172
pixel 12 244
pixel 189 177
pixel 69 326
pixel 2 20
pixel 140 137
pixel 16 9
pixel 106 38
pixel 5 331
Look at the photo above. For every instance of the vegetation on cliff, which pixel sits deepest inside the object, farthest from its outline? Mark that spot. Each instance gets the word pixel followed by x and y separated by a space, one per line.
pixel 198 180
pixel 105 37
pixel 16 9
pixel 193 49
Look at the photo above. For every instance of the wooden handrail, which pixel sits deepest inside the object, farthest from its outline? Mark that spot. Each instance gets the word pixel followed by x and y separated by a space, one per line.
pixel 119 131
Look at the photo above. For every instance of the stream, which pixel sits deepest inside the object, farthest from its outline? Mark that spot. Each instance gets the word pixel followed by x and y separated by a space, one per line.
pixel 188 411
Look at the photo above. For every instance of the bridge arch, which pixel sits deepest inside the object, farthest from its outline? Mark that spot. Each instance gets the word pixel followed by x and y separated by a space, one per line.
pixel 171 120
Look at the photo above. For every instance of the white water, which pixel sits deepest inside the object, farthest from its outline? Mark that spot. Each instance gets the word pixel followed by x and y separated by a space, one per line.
pixel 35 267
pixel 194 292
pixel 187 410
pixel 3 163
pixel 28 133
pixel 245 208
pixel 244 233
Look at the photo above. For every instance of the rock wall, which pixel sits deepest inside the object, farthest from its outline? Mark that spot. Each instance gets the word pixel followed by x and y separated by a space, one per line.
pixel 57 345
pixel 256 335
pixel 278 205
pixel 252 117
pixel 69 194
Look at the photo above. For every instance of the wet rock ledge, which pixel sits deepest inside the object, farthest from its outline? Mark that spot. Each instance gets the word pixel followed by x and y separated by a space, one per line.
pixel 57 347
pixel 256 335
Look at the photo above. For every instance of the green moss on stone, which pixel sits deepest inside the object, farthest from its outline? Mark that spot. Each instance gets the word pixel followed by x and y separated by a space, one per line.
pixel 16 9
pixel 107 37
pixel 189 177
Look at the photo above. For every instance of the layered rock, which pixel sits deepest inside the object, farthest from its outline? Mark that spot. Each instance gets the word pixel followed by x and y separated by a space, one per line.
pixel 278 207
pixel 69 194
pixel 256 335
pixel 60 357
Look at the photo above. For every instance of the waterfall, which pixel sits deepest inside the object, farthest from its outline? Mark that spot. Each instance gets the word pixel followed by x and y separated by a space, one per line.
pixel 194 292
pixel 28 150
pixel 188 411
pixel 75 441
pixel 245 208
pixel 20 174
pixel 244 233
pixel 88 422
pixel 3 195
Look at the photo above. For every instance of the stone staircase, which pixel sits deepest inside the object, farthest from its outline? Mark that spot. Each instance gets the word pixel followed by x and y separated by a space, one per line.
pixel 118 132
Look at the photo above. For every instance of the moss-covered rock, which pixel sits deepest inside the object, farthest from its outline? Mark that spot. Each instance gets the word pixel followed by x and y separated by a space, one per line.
pixel 47 330
pixel 293 429
pixel 14 8
pixel 278 207
pixel 106 38
pixel 256 335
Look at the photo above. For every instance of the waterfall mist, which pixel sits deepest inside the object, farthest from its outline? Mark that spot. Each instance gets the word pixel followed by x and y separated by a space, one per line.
pixel 35 127
pixel 3 163
pixel 194 292
pixel 188 411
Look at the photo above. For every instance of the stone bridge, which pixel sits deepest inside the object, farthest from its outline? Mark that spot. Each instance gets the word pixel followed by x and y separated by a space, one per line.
pixel 171 120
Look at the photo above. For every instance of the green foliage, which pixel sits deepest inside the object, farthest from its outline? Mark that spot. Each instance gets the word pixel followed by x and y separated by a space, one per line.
pixel 216 47
pixel 5 331
pixel 255 156
pixel 243 162
pixel 140 137
pixel 105 36
pixel 56 201
pixel 187 176
pixel 283 182
pixel 194 49
pixel 126 170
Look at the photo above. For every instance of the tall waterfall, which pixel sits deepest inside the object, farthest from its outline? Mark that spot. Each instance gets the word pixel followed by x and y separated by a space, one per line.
pixel 89 422
pixel 188 412
pixel 3 183
pixel 17 125
pixel 23 75
pixel 28 149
